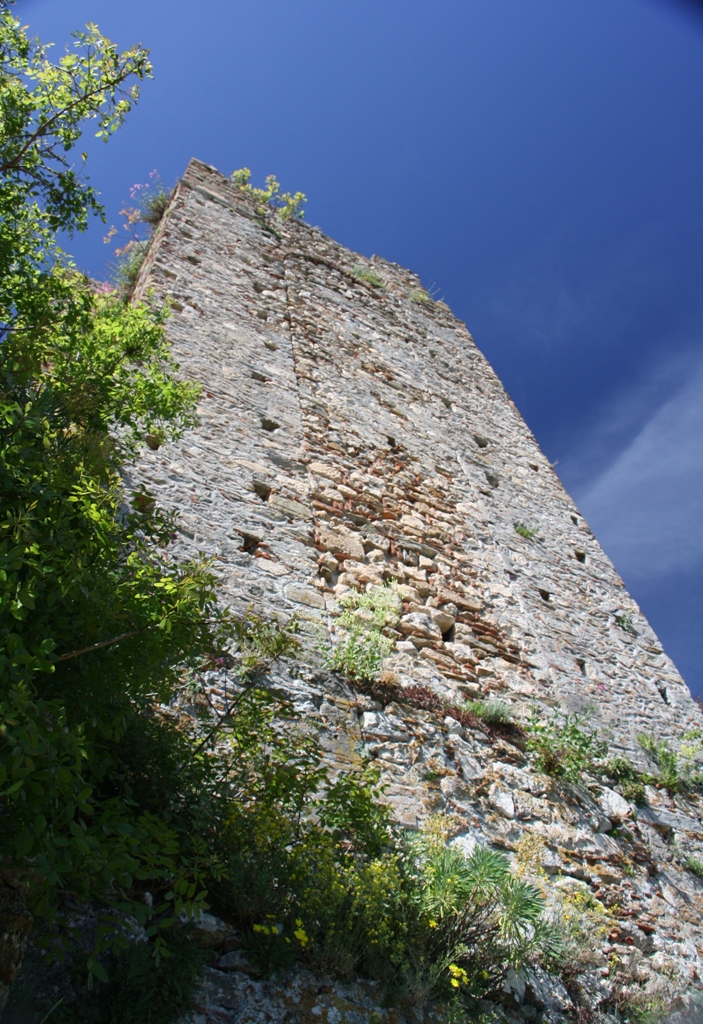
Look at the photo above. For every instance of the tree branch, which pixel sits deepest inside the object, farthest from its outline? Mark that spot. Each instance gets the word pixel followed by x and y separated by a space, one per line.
pixel 44 128
pixel 103 643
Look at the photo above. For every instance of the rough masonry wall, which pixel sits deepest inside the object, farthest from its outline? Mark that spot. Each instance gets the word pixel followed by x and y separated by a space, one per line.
pixel 350 435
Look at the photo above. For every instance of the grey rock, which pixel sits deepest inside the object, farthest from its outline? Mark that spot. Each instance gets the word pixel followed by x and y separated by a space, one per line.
pixel 501 801
pixel 442 619
pixel 590 991
pixel 290 507
pixel 613 805
pixel 467 842
pixel 461 652
pixel 304 595
pixel 235 960
pixel 471 767
pixel 664 820
pixel 375 724
pixel 420 625
pixel 15 923
pixel 341 543
pixel 514 987
pixel 545 991
pixel 210 932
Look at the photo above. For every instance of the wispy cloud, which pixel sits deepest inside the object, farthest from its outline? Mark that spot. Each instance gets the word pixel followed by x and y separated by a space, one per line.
pixel 618 419
pixel 646 508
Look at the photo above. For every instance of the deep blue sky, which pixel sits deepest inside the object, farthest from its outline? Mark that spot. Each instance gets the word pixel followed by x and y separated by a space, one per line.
pixel 540 163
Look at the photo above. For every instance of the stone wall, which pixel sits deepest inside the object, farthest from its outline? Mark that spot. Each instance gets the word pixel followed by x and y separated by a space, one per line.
pixel 352 433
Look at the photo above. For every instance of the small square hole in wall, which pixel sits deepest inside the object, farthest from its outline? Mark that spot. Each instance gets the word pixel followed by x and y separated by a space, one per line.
pixel 482 442
pixel 544 594
pixel 261 489
pixel 580 556
pixel 662 691
pixel 269 424
pixel 249 543
pixel 574 520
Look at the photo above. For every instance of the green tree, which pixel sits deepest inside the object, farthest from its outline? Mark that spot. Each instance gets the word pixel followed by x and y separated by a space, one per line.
pixel 97 623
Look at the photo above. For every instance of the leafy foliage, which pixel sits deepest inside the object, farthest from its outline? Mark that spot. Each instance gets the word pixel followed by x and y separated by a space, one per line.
pixel 625 622
pixel 149 202
pixel 583 923
pixel 325 880
pixel 678 772
pixel 138 990
pixel 126 269
pixel 362 646
pixel 475 918
pixel 695 866
pixel 563 747
pixel 492 712
pixel 374 609
pixel 44 107
pixel 630 780
pixel 97 624
pixel 525 531
pixel 154 198
pixel 368 275
pixel 271 199
pixel 294 839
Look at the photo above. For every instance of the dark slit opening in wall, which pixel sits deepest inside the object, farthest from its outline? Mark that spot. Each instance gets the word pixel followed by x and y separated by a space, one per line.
pixel 262 489
pixel 580 556
pixel 662 692
pixel 544 594
pixel 249 543
pixel 448 637
pixel 269 424
pixel 581 662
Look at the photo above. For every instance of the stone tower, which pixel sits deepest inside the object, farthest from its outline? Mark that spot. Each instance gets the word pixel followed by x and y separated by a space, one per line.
pixel 350 433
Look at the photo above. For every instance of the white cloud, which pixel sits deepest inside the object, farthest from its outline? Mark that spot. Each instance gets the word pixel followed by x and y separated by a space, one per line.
pixel 646 508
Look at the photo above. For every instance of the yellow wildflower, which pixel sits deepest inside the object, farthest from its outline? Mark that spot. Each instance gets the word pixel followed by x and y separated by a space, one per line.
pixel 458 976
